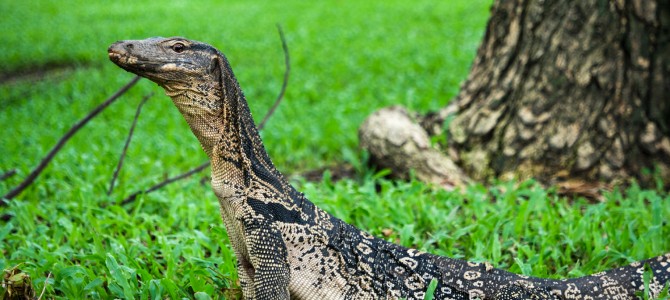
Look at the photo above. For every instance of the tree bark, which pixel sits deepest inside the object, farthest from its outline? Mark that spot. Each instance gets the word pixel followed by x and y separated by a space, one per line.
pixel 398 143
pixel 562 90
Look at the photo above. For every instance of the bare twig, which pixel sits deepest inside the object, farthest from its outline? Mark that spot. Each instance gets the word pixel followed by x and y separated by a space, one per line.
pixel 7 174
pixel 287 64
pixel 165 182
pixel 44 288
pixel 45 161
pixel 125 146
pixel 203 166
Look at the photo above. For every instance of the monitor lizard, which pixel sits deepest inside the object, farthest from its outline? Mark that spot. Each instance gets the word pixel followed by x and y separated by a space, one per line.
pixel 286 247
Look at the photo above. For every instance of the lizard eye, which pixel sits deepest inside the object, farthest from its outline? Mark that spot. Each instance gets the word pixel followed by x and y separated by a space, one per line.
pixel 178 47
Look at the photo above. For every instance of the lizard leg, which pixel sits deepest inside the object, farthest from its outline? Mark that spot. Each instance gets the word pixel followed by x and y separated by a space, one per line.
pixel 246 275
pixel 269 261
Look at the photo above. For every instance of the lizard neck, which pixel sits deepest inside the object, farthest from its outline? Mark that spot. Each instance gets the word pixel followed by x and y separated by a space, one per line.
pixel 202 122
pixel 218 115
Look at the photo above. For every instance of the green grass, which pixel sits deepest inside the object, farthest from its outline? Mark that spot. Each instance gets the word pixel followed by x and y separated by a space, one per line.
pixel 348 59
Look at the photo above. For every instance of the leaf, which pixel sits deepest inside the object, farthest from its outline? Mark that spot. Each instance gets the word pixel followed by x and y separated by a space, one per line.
pixel 120 276
pixel 5 230
pixel 430 293
pixel 496 251
pixel 201 296
pixel 155 289
pixel 71 271
pixel 16 285
pixel 526 269
pixel 387 232
pixel 19 278
pixel 93 284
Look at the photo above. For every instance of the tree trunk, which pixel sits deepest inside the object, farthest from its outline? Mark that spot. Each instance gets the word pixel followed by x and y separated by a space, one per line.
pixel 561 90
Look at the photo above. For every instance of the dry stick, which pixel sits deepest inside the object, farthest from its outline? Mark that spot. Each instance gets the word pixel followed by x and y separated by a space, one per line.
pixel 203 166
pixel 163 183
pixel 46 282
pixel 45 161
pixel 287 70
pixel 7 174
pixel 125 147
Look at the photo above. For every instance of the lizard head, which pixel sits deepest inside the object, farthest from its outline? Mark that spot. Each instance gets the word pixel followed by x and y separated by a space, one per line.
pixel 177 64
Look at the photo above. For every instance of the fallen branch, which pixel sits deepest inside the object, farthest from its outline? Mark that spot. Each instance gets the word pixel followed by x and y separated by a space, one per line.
pixel 45 161
pixel 125 146
pixel 7 174
pixel 287 71
pixel 165 182
pixel 267 116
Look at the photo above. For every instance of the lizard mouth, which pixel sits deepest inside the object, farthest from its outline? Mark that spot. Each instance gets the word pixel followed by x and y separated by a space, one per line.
pixel 114 55
pixel 129 62
pixel 122 58
pixel 126 55
pixel 118 57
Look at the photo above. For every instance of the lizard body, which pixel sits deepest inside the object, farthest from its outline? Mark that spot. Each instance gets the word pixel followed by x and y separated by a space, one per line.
pixel 287 248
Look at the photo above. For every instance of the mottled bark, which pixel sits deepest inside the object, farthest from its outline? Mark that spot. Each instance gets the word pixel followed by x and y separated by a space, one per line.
pixel 564 90
pixel 398 143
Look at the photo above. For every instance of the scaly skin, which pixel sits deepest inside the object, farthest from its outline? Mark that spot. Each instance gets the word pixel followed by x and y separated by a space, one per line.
pixel 286 247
